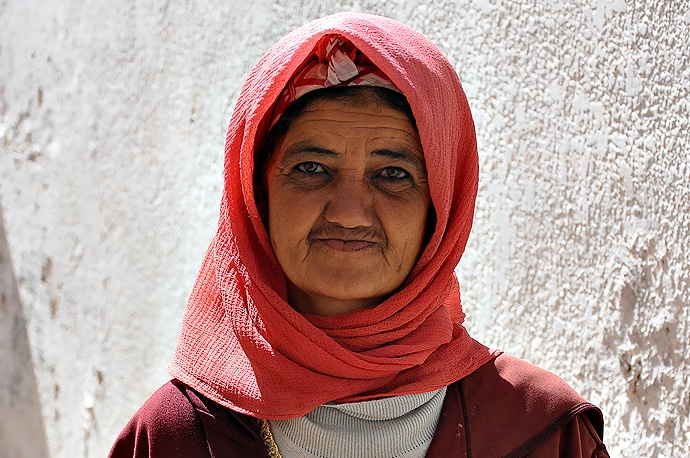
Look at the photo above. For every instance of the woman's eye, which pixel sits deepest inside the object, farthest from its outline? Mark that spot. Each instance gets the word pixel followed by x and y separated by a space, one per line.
pixel 310 167
pixel 395 173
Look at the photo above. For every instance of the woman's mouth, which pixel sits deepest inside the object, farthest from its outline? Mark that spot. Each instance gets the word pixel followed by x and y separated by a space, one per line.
pixel 347 245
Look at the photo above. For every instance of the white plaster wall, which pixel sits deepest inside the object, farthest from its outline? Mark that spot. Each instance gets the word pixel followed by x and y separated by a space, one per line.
pixel 112 124
pixel 21 424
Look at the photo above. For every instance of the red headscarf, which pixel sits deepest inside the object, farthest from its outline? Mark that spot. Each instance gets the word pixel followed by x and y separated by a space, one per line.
pixel 242 344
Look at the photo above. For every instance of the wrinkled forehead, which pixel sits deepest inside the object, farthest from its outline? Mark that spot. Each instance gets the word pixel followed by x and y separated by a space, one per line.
pixel 341 127
pixel 335 99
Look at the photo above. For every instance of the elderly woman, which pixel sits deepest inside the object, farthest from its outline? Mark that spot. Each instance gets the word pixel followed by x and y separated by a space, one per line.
pixel 326 319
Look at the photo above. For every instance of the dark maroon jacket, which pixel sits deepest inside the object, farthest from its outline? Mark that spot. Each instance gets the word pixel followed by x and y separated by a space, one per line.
pixel 506 408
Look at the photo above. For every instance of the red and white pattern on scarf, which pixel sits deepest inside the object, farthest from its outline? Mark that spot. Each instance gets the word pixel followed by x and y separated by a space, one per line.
pixel 335 63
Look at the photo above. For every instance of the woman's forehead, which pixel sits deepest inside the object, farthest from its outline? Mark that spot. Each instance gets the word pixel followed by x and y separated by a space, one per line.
pixel 336 127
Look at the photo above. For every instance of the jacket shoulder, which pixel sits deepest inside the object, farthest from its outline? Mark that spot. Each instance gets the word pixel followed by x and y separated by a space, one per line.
pixel 525 405
pixel 178 421
pixel 166 425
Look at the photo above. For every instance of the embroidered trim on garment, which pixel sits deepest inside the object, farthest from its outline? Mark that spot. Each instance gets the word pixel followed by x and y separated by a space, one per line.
pixel 269 443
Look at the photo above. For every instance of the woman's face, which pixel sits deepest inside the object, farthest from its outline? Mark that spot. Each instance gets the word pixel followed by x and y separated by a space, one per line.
pixel 347 204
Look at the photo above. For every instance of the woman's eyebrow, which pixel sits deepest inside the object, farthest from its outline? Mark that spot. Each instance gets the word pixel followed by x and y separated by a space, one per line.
pixel 403 155
pixel 307 149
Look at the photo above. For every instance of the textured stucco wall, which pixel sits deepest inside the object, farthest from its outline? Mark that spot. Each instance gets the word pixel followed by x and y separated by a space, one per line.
pixel 21 424
pixel 112 123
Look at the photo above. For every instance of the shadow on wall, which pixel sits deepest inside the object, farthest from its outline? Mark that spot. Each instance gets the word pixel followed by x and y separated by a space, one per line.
pixel 22 434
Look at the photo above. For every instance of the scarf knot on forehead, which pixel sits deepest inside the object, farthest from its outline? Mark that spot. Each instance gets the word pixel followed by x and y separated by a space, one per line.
pixel 241 343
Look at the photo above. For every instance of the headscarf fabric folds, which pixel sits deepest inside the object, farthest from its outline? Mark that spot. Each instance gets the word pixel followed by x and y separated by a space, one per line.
pixel 334 63
pixel 243 346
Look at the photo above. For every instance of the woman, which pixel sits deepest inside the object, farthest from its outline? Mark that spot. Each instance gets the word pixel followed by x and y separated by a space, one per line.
pixel 326 319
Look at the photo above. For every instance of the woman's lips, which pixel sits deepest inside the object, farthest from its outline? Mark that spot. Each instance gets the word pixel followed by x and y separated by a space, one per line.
pixel 347 245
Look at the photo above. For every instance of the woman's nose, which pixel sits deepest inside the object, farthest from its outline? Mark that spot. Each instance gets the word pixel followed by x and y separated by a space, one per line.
pixel 350 204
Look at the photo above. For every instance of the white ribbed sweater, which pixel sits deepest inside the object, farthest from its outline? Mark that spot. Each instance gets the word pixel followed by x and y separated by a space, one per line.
pixel 400 426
